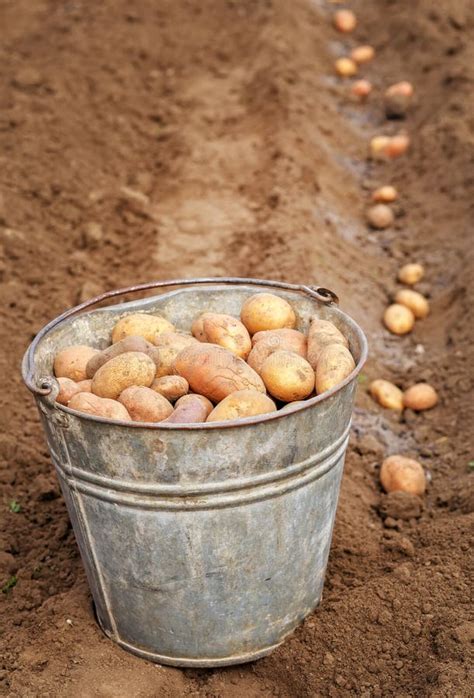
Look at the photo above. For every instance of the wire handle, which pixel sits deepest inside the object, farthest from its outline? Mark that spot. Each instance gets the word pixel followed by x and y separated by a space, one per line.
pixel 48 386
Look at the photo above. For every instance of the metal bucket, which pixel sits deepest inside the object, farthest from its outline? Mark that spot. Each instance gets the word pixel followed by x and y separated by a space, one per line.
pixel 204 544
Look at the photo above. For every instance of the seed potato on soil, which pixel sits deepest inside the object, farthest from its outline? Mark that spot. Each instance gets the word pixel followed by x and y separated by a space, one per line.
pixel 387 394
pixel 399 319
pixel 386 194
pixel 345 67
pixel 399 473
pixel 413 300
pixel 361 89
pixel 345 21
pixel 363 54
pixel 419 397
pixel 411 273
pixel 380 216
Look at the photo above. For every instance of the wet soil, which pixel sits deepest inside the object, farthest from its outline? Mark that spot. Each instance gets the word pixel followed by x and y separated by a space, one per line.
pixel 143 140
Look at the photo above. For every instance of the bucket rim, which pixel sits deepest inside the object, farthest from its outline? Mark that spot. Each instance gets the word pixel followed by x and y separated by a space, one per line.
pixel 50 385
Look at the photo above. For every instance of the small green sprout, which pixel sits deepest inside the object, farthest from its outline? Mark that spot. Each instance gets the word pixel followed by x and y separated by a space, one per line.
pixel 14 506
pixel 9 584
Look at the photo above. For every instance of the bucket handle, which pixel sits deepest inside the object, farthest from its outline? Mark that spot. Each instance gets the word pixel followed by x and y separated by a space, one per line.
pixel 48 386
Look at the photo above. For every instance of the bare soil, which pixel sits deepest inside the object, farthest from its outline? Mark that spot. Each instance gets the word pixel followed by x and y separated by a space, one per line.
pixel 251 161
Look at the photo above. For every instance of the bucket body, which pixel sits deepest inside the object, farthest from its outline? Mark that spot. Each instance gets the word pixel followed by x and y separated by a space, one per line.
pixel 204 545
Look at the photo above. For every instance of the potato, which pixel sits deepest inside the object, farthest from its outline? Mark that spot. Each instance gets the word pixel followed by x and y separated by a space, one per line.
pixel 345 21
pixel 141 324
pixel 129 368
pixel 270 341
pixel 224 330
pixel 413 300
pixel 290 405
pixel 265 311
pixel 398 319
pixel 419 397
pixel 215 372
pixel 386 394
pixel 191 408
pixel 322 334
pixel 98 406
pixel 197 329
pixel 385 194
pixel 132 343
pixel 400 474
pixel 361 89
pixel 85 386
pixel 145 405
pixel 67 388
pixel 335 363
pixel 242 403
pixel 169 345
pixel 378 147
pixel 171 387
pixel 72 361
pixel 287 376
pixel 363 54
pixel 345 67
pixel 410 274
pixel 380 216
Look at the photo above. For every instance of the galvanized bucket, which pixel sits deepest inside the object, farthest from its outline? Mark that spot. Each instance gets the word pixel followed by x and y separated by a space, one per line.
pixel 204 544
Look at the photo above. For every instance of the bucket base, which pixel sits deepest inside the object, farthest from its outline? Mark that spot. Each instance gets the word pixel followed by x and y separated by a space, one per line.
pixel 202 663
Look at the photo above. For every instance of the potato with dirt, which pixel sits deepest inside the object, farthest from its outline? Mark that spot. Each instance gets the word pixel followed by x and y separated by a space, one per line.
pixel 215 372
pixel 224 330
pixel 399 319
pixel 169 345
pixel 132 343
pixel 265 311
pixel 144 404
pixel 386 394
pixel 241 404
pixel 171 387
pixel 322 334
pixel 401 474
pixel 270 341
pixel 123 371
pixel 141 324
pixel 71 362
pixel 287 376
pixel 98 406
pixel 420 397
pixel 335 363
pixel 413 300
pixel 191 408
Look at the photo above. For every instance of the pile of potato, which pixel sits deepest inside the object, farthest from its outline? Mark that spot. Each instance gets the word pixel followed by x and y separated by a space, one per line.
pixel 225 369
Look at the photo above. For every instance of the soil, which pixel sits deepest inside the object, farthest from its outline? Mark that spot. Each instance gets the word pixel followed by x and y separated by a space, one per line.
pixel 144 140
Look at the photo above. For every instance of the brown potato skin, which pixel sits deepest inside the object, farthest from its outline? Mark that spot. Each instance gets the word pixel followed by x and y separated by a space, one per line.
pixel 335 363
pixel 413 300
pixel 215 372
pixel 224 330
pixel 171 387
pixel 386 394
pixel 322 334
pixel 401 474
pixel 67 388
pixel 145 405
pixel 98 406
pixel 141 324
pixel 169 345
pixel 287 376
pixel 398 319
pixel 85 386
pixel 190 409
pixel 419 397
pixel 241 404
pixel 129 368
pixel 132 343
pixel 72 361
pixel 270 341
pixel 265 311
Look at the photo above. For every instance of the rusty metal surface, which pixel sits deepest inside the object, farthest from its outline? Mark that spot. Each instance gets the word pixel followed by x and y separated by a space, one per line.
pixel 203 546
